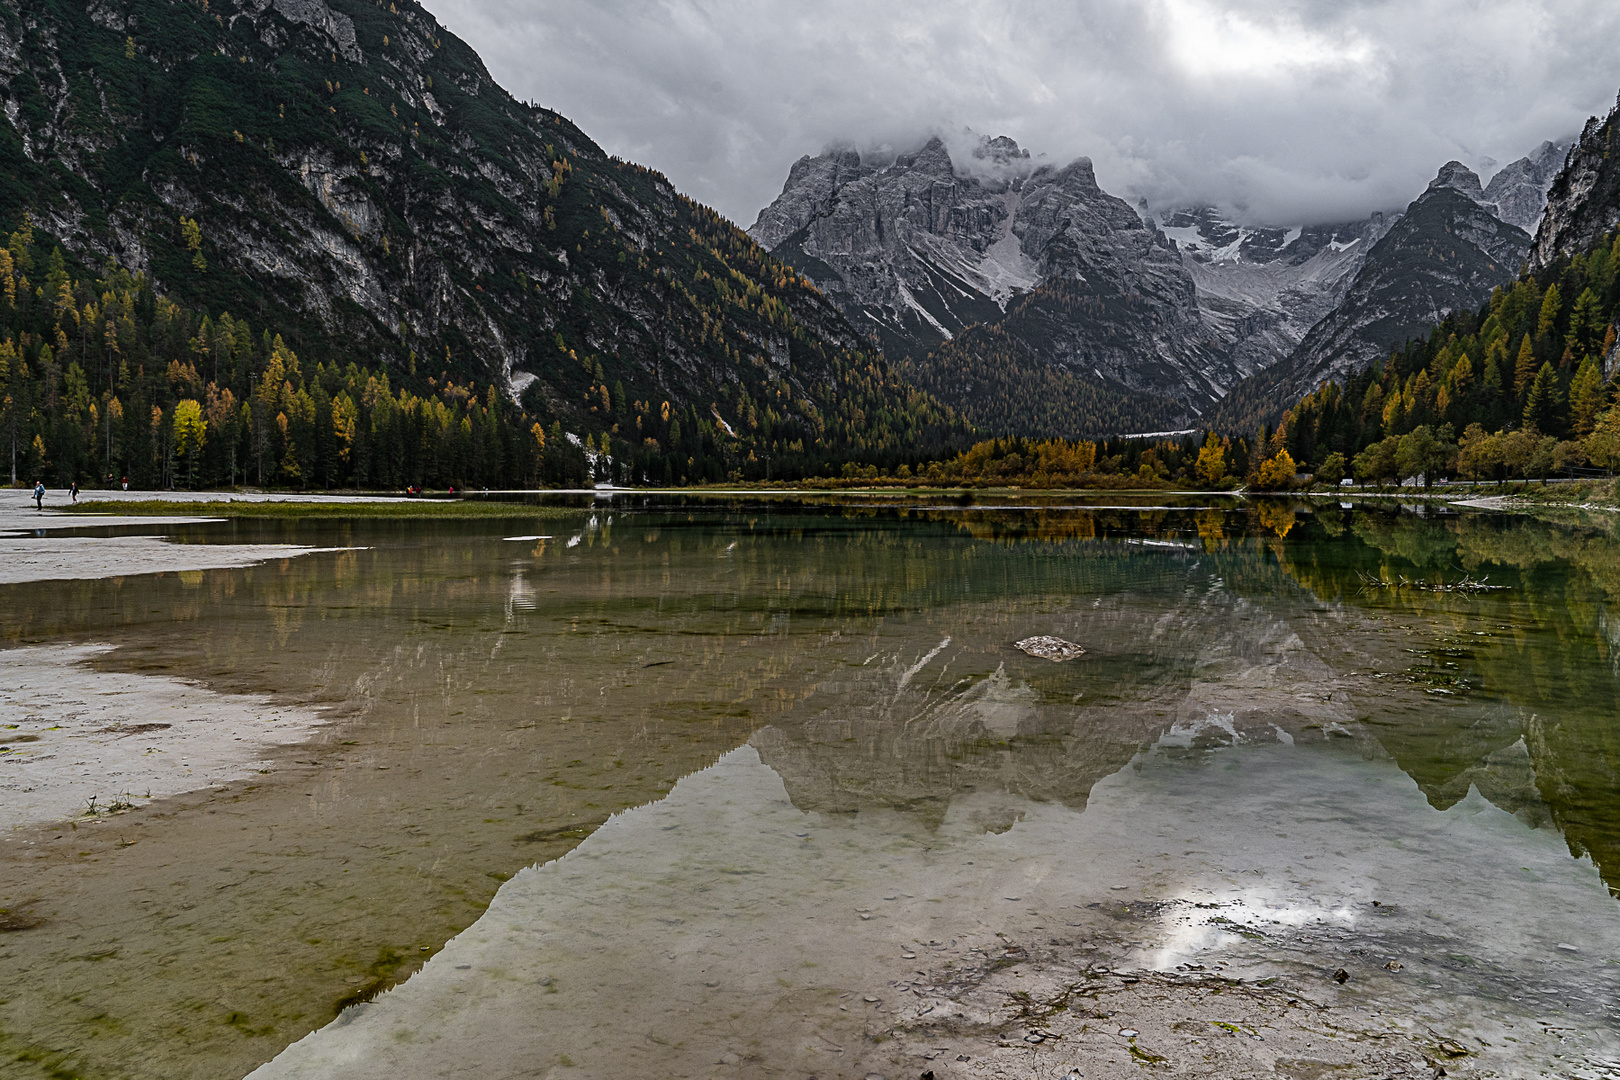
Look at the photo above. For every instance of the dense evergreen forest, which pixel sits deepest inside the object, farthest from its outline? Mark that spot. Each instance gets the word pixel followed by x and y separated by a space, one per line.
pixel 1005 383
pixel 1516 390
pixel 104 379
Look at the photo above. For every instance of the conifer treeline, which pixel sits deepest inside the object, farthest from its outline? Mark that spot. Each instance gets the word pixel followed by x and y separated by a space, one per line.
pixel 1515 390
pixel 1207 461
pixel 104 380
pixel 1005 382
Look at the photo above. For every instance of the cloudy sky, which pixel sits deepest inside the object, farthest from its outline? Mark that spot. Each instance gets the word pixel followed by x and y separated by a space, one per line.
pixel 1285 112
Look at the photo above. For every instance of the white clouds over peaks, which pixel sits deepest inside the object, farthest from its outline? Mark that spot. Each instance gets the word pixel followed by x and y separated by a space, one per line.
pixel 1293 112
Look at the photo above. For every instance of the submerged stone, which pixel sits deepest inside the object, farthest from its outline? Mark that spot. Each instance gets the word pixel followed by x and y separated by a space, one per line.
pixel 1050 648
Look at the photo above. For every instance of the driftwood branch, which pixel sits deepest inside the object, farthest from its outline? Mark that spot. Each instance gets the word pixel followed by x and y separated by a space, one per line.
pixel 1468 584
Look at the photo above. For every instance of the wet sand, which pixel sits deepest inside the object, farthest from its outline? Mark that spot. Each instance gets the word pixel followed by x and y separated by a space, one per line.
pixel 29 552
pixel 78 743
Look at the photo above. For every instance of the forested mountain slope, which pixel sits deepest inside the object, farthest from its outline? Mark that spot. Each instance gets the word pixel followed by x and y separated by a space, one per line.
pixel 1521 386
pixel 1446 253
pixel 349 175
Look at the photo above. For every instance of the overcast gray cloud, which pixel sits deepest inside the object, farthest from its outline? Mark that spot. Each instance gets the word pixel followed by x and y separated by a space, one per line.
pixel 1290 113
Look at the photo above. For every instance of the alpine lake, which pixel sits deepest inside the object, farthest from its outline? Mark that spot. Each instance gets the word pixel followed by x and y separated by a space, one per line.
pixel 763 786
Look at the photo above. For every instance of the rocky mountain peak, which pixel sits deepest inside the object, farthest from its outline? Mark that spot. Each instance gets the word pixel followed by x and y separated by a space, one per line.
pixel 1583 202
pixel 1458 177
pixel 934 157
pixel 1000 150
pixel 814 182
pixel 1519 190
pixel 921 249
pixel 1077 173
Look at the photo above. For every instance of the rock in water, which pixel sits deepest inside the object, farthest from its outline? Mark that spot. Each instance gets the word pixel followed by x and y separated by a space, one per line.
pixel 1050 648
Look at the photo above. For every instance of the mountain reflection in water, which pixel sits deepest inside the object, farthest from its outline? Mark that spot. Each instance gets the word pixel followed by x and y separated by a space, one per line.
pixel 864 654
pixel 1513 692
pixel 1250 756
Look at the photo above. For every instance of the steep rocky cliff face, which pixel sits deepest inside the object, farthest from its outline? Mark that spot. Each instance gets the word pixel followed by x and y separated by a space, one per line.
pixel 911 249
pixel 359 181
pixel 978 270
pixel 1518 191
pixel 1584 201
pixel 1262 288
pixel 1447 251
pixel 1035 302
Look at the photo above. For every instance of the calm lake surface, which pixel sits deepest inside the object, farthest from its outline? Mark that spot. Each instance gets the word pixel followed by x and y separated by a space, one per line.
pixel 797 768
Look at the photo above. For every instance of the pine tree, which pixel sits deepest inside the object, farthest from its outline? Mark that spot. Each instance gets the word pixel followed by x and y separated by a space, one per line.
pixel 191 235
pixel 1586 324
pixel 1549 310
pixel 1525 370
pixel 1543 407
pixel 1587 396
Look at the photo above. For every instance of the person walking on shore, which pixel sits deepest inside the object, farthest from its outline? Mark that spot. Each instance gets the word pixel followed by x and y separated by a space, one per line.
pixel 73 490
pixel 39 494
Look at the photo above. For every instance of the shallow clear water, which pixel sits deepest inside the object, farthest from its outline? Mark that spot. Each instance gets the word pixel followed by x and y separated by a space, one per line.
pixel 1252 729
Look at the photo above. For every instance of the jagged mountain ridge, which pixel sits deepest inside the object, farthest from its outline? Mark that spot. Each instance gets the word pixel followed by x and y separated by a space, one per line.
pixel 934 260
pixel 1007 256
pixel 1447 251
pixel 912 251
pixel 1518 191
pixel 1583 202
pixel 1262 288
pixel 362 183
pixel 1146 323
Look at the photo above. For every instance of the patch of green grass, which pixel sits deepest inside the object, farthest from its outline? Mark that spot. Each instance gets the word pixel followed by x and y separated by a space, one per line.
pixel 412 508
pixel 1143 1057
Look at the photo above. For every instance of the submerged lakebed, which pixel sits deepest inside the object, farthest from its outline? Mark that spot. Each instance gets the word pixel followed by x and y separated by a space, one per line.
pixel 735 787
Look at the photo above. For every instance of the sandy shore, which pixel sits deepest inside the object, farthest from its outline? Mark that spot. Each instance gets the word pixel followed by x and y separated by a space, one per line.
pixel 72 734
pixel 29 551
pixel 75 742
pixel 60 558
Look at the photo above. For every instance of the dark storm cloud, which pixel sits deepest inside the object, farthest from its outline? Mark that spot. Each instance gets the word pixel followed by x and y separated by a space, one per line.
pixel 1288 113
